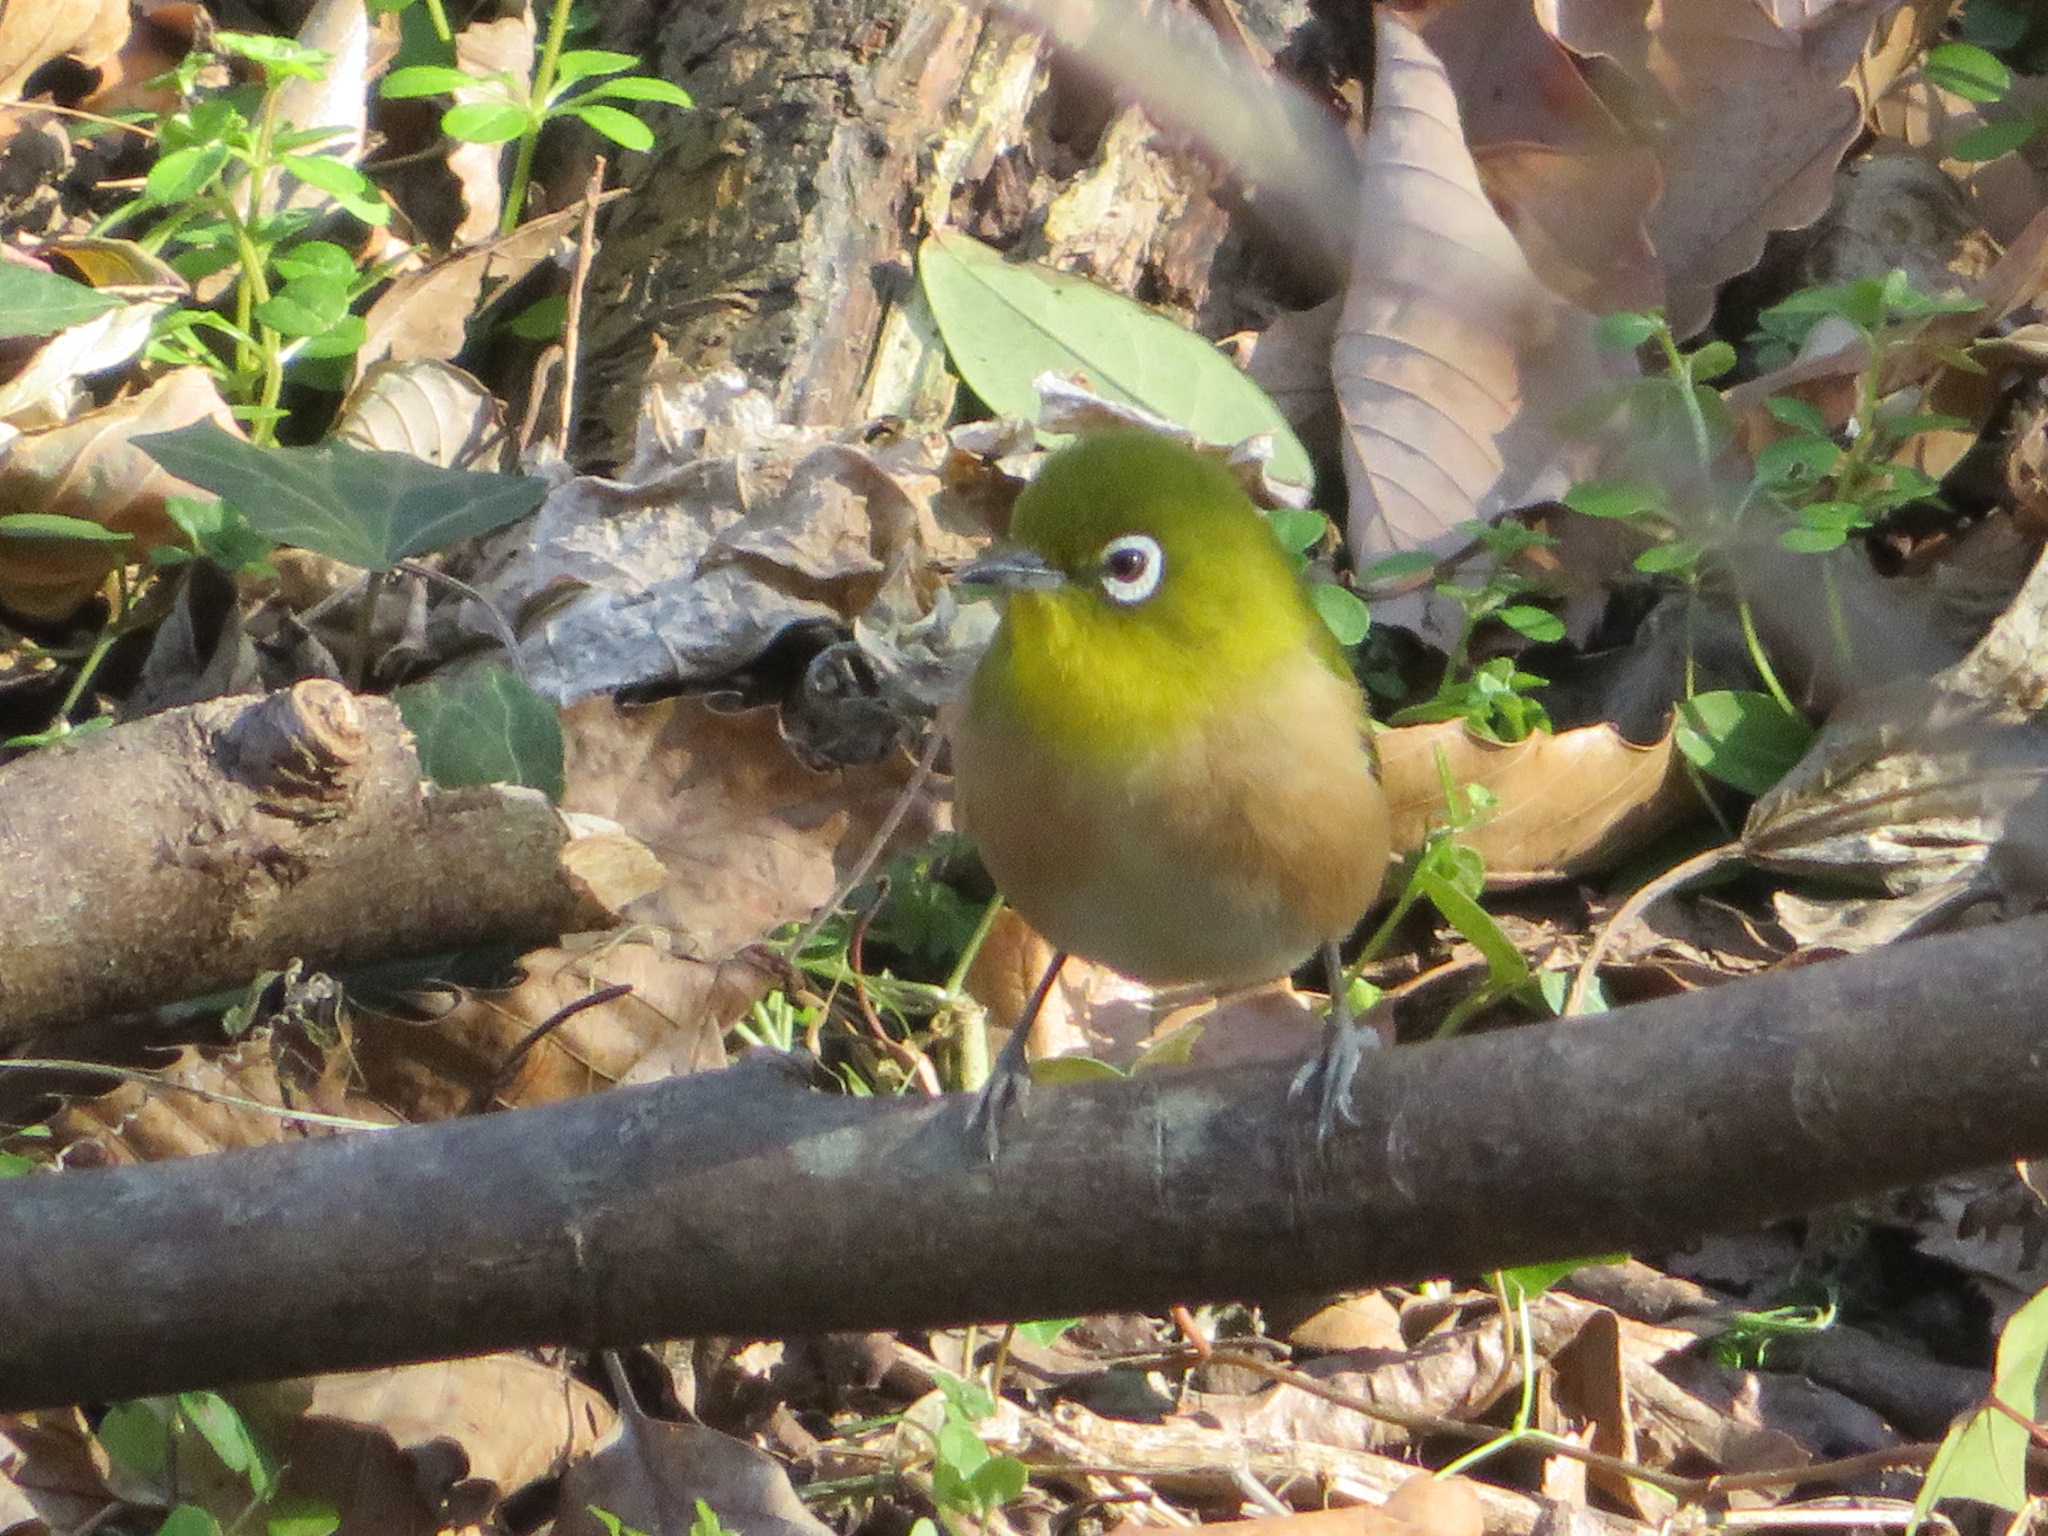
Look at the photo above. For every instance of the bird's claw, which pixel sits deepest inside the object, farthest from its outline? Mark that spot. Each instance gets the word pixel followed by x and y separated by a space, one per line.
pixel 1329 1076
pixel 1008 1085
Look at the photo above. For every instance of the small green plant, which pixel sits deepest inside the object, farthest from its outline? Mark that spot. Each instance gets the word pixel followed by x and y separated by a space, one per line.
pixel 967 1477
pixel 1303 532
pixel 1976 74
pixel 1495 699
pixel 1812 490
pixel 219 193
pixel 153 1436
pixel 501 108
pixel 1745 1342
pixel 1984 1455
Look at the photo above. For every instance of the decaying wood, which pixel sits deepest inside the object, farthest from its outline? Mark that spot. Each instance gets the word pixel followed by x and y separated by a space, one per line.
pixel 775 226
pixel 184 853
pixel 729 1203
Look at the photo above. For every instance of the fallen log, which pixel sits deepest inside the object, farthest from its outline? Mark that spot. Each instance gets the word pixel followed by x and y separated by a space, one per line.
pixel 731 1203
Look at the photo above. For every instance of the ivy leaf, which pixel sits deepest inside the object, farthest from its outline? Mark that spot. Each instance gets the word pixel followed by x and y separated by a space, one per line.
pixel 371 509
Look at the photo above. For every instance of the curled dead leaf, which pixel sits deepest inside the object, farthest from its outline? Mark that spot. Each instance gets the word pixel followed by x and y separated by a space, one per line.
pixel 1568 804
pixel 87 469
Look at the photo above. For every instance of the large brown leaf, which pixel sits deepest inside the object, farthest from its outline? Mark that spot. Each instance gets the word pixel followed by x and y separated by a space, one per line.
pixel 1453 361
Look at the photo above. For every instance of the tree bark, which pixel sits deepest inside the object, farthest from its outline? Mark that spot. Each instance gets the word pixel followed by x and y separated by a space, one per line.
pixel 730 1204
pixel 184 853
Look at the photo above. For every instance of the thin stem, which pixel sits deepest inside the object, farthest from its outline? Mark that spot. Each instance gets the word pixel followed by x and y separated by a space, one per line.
pixel 957 977
pixel 536 115
pixel 1759 660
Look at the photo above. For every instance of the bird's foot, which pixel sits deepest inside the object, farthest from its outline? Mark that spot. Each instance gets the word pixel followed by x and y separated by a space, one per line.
pixel 1008 1086
pixel 1345 1044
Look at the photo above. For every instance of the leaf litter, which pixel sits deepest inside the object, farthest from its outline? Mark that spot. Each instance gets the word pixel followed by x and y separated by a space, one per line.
pixel 731 531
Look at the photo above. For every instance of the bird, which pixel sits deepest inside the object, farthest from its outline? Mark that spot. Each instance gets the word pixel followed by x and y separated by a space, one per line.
pixel 1163 755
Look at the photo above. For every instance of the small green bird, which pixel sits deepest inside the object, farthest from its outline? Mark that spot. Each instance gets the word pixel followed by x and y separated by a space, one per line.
pixel 1163 756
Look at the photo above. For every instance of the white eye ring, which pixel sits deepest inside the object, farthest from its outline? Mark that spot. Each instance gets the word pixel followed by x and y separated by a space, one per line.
pixel 1131 568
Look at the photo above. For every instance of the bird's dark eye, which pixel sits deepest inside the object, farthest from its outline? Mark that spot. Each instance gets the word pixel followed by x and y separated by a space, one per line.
pixel 1131 567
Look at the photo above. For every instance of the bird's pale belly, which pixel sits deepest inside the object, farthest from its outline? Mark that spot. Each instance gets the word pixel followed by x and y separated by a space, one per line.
pixel 1218 864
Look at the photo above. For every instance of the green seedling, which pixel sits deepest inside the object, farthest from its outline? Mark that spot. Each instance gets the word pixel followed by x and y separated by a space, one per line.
pixel 503 108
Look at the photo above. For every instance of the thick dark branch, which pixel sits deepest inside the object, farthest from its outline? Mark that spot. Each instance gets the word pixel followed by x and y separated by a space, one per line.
pixel 733 1204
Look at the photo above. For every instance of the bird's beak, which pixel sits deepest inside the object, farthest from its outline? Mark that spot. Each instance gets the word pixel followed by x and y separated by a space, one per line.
pixel 1010 569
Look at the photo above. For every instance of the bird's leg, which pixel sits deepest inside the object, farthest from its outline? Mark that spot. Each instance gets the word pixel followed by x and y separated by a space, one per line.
pixel 1010 1078
pixel 1345 1042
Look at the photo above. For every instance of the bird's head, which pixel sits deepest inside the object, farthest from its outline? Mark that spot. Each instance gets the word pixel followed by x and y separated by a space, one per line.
pixel 1128 537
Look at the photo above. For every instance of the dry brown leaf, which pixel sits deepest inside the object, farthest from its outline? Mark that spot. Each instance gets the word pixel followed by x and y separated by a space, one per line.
pixel 87 469
pixel 1570 182
pixel 751 838
pixel 50 1472
pixel 1569 804
pixel 1452 359
pixel 1422 1506
pixel 1933 789
pixel 427 313
pixel 420 1448
pixel 677 1014
pixel 1755 110
pixel 33 32
pixel 650 1474
pixel 144 1122
pixel 429 409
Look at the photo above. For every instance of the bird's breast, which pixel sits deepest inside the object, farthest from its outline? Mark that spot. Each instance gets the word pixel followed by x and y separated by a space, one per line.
pixel 1223 851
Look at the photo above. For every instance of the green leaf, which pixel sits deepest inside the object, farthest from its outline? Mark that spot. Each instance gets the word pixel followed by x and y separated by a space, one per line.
pixel 1394 568
pixel 38 303
pixel 1047 1331
pixel 615 123
pixel 1668 557
pixel 1743 739
pixel 1525 1282
pixel 1973 73
pixel 424 80
pixel 314 258
pixel 542 320
pixel 1797 461
pixel 280 55
pixel 639 88
pixel 1624 331
pixel 1985 1456
pixel 1994 139
pixel 1711 361
pixel 1800 415
pixel 55 526
pixel 370 509
pixel 484 122
pixel 342 182
pixel 960 1448
pixel 1812 541
pixel 997 1481
pixel 484 725
pixel 1298 529
pixel 1614 498
pixel 310 306
pixel 189 1520
pixel 1343 612
pixel 301 1515
pixel 1504 963
pixel 183 174
pixel 1005 323
pixel 222 1428
pixel 137 1435
pixel 347 335
pixel 13 1165
pixel 582 63
pixel 1526 619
